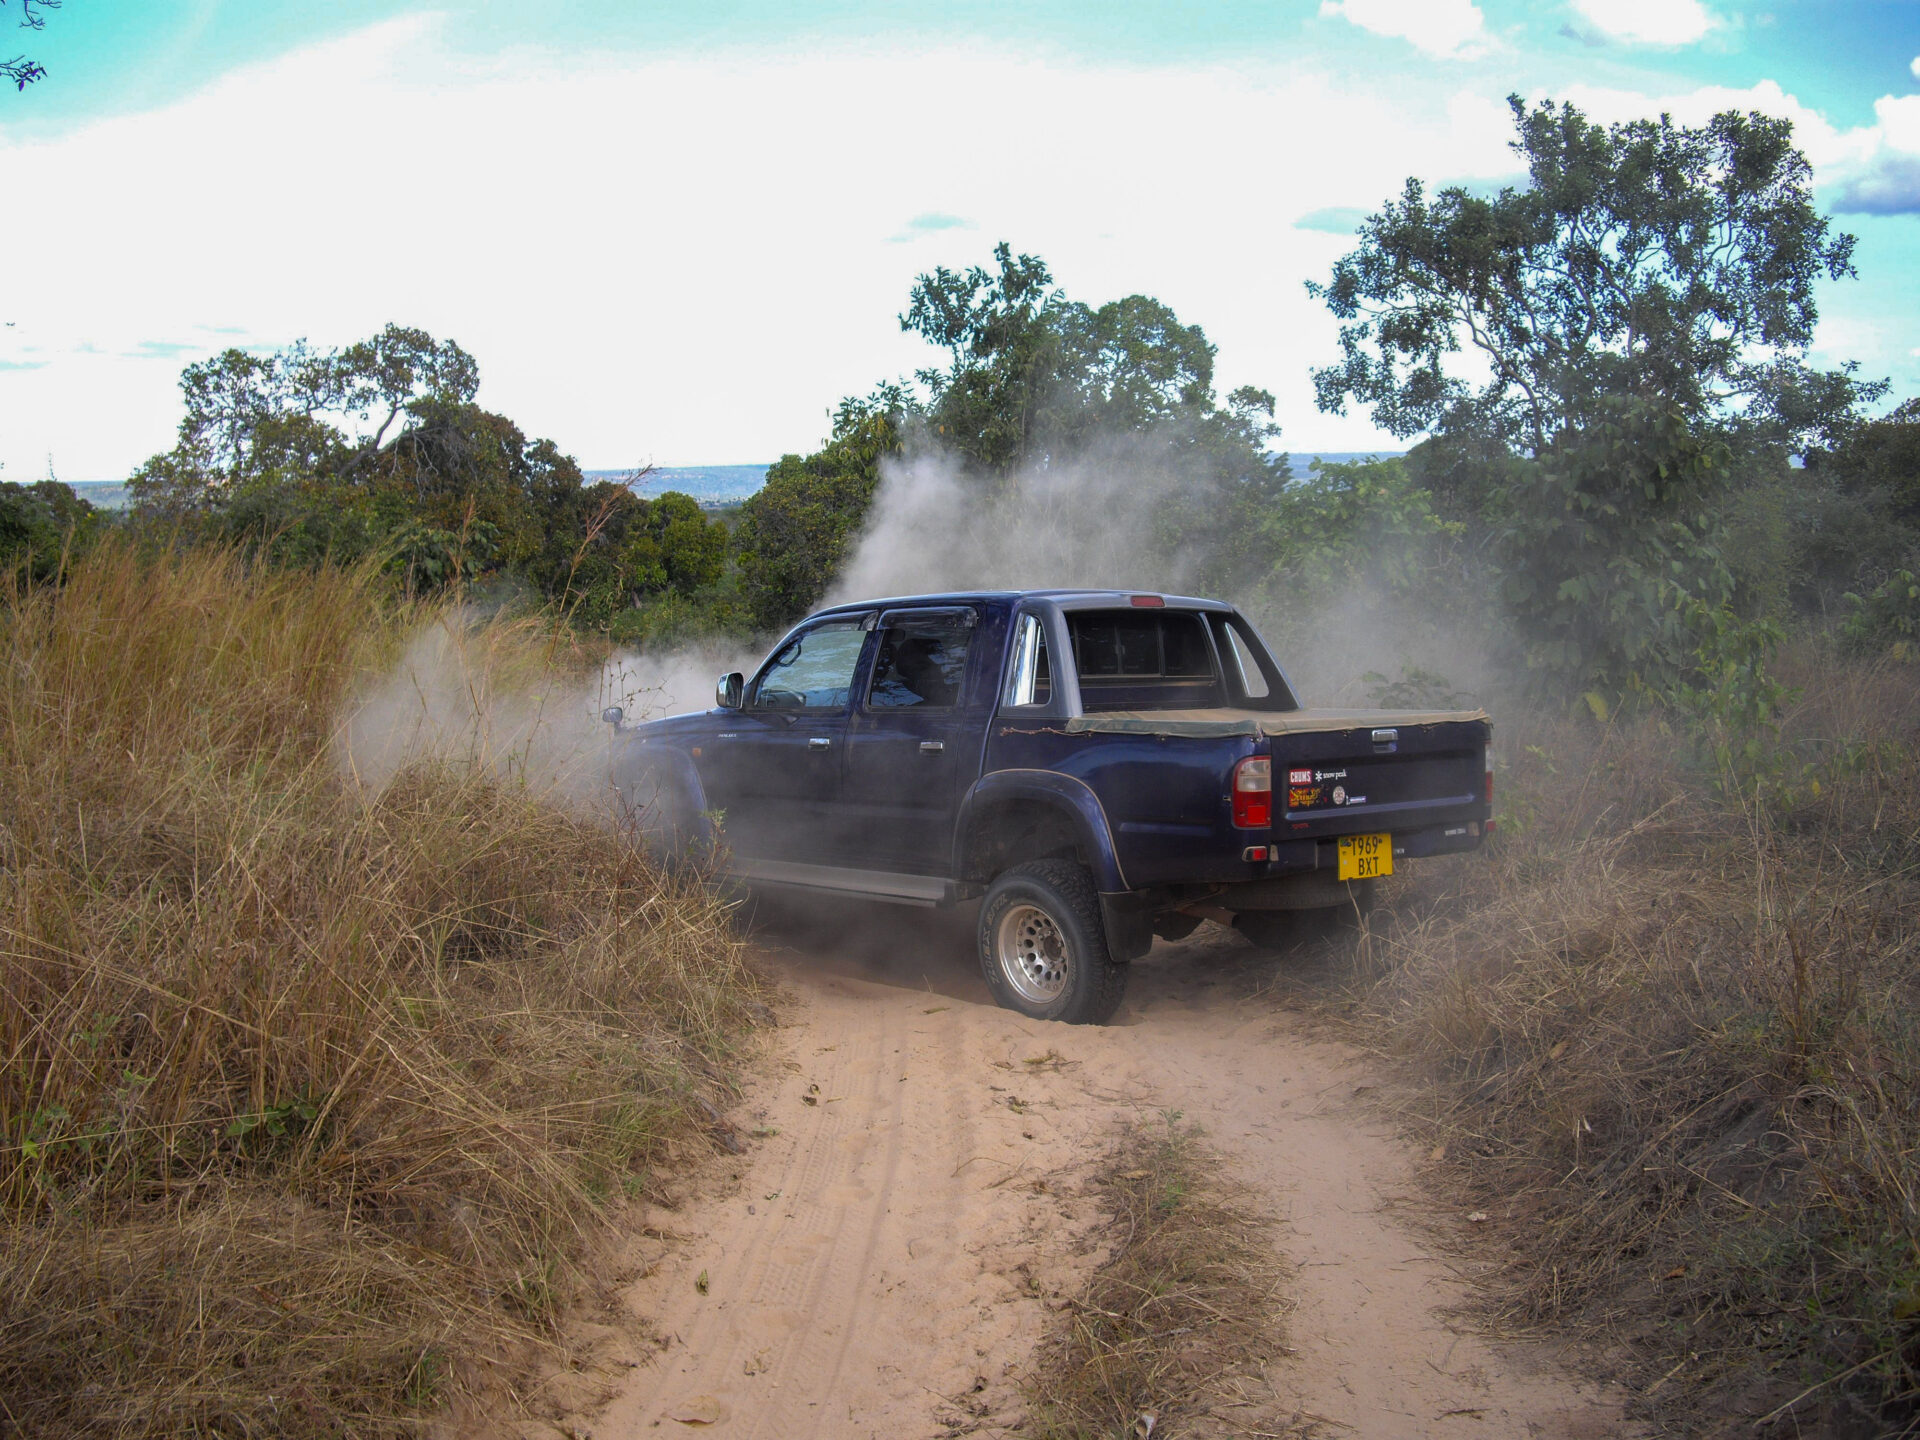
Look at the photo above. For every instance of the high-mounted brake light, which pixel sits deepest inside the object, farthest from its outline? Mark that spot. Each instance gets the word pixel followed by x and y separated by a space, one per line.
pixel 1149 602
pixel 1253 793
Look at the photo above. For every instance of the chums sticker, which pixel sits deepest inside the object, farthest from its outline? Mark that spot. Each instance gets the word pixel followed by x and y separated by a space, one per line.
pixel 1299 777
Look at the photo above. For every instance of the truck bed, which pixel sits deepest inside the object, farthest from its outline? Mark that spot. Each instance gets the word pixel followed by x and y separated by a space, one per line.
pixel 1204 724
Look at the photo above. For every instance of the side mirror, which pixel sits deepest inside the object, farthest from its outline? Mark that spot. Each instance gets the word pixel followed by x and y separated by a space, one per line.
pixel 729 692
pixel 613 715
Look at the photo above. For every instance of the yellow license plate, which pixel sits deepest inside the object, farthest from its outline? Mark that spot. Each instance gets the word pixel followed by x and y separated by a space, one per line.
pixel 1362 857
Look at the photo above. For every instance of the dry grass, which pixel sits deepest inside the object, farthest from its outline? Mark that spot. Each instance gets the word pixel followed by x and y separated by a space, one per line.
pixel 310 1096
pixel 1674 1040
pixel 1184 1304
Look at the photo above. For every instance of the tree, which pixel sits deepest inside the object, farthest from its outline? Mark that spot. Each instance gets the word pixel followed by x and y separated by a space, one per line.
pixel 1033 381
pixel 796 530
pixel 1033 377
pixel 1880 459
pixel 21 71
pixel 40 524
pixel 1648 259
pixel 1641 311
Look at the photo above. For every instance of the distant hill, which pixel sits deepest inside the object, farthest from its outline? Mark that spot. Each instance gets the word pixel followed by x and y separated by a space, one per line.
pixel 102 494
pixel 709 484
pixel 730 484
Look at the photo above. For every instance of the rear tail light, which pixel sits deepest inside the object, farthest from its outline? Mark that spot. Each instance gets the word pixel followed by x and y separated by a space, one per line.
pixel 1253 793
pixel 1489 777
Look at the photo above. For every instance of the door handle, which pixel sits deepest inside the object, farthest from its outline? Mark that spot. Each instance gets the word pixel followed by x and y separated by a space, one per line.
pixel 932 747
pixel 819 742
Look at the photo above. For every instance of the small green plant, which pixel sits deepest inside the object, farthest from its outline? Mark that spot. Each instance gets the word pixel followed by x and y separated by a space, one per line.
pixel 1886 620
pixel 284 1121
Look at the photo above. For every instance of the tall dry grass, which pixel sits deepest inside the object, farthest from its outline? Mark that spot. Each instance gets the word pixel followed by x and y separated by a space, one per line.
pixel 309 1093
pixel 1673 1035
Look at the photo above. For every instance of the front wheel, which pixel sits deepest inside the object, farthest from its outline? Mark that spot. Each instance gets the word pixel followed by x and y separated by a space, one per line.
pixel 1043 947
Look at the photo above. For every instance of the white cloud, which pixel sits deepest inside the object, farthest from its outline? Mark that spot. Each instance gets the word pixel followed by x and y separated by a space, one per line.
pixel 1649 22
pixel 1450 29
pixel 682 259
pixel 1915 67
pixel 1866 169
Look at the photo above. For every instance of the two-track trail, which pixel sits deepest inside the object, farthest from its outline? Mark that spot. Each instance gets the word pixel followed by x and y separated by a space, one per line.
pixel 884 1262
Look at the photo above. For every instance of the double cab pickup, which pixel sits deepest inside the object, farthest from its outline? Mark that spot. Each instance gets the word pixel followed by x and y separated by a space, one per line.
pixel 1094 767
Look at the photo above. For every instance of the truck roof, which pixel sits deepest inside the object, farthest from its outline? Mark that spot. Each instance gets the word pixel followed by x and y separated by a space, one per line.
pixel 1073 598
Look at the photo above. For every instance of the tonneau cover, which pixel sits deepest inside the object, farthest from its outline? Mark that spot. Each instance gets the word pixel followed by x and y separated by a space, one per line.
pixel 1208 723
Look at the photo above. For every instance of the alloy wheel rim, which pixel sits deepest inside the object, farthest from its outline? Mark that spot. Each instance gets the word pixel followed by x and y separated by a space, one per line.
pixel 1033 954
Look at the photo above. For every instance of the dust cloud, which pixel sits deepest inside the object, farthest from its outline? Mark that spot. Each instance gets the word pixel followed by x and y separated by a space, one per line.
pixel 1101 520
pixel 509 699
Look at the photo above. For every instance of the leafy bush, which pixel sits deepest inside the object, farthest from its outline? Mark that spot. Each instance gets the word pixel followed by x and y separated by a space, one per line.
pixel 1886 621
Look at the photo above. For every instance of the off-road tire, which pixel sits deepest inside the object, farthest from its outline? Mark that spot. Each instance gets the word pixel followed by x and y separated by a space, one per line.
pixel 1051 908
pixel 660 817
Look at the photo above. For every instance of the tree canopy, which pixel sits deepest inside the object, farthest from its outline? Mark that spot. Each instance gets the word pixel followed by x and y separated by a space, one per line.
pixel 1650 259
pixel 380 448
pixel 1599 355
pixel 1032 381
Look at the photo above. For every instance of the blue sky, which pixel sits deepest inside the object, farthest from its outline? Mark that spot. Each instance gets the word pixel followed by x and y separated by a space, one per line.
pixel 680 233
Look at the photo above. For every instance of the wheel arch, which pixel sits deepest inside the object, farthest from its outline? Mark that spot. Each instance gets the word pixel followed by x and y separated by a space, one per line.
pixel 1011 816
pixel 643 771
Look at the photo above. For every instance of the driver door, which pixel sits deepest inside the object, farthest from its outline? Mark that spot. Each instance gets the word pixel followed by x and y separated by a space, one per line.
pixel 777 767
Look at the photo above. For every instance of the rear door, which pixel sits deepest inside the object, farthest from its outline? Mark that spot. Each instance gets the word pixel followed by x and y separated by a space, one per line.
pixel 775 768
pixel 914 739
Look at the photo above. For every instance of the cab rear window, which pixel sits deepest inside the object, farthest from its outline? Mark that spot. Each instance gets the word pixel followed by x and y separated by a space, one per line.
pixel 1143 660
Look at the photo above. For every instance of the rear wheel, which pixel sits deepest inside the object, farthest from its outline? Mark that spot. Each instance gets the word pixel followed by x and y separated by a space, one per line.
pixel 1043 947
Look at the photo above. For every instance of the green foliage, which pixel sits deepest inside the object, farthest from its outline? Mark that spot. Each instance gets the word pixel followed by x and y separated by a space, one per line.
pixel 1886 621
pixel 40 526
pixel 1881 458
pixel 1732 700
pixel 1416 689
pixel 1645 258
pixel 1345 524
pixel 378 450
pixel 1641 308
pixel 795 532
pixel 1606 547
pixel 1033 381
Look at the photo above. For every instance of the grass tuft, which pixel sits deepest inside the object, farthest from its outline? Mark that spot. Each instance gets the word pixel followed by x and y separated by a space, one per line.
pixel 310 1094
pixel 1185 1302
pixel 1673 1040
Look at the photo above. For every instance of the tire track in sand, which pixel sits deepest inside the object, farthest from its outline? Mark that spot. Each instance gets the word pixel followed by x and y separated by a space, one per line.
pixel 871 1274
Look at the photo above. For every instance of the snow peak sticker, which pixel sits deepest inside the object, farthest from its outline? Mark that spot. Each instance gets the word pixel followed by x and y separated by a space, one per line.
pixel 1324 775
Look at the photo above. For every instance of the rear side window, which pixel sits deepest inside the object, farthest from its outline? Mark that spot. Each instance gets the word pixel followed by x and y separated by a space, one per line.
pixel 1030 680
pixel 920 664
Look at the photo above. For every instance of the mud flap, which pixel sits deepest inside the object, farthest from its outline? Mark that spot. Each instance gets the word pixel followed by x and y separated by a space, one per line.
pixel 1129 925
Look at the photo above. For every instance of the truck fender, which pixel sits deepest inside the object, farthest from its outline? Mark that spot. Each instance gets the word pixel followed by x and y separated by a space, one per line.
pixel 1061 796
pixel 644 773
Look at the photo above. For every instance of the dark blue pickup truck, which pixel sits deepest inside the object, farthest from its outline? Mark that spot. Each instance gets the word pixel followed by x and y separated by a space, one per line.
pixel 1099 767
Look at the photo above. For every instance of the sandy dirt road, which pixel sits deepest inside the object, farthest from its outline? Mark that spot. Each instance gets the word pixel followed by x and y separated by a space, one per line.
pixel 883 1264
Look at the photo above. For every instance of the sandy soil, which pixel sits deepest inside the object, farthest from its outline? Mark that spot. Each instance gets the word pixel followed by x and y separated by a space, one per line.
pixel 883 1262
